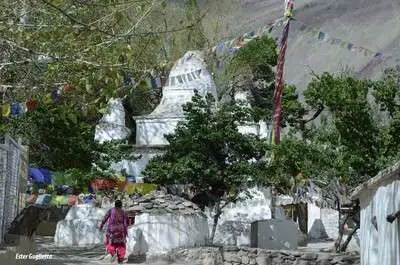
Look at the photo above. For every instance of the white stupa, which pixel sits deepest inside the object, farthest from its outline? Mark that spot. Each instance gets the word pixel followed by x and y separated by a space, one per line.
pixel 189 74
pixel 112 125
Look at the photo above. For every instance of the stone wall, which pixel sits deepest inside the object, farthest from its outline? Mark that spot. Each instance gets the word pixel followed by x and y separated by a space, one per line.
pixel 253 256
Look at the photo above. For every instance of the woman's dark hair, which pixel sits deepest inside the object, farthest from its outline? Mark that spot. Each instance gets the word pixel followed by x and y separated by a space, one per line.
pixel 118 203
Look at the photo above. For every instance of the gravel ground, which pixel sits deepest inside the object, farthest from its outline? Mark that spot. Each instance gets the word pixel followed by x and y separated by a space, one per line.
pixel 90 256
pixel 61 255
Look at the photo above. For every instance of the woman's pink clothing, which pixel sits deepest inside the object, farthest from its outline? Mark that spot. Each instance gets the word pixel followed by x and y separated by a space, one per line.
pixel 117 231
pixel 120 249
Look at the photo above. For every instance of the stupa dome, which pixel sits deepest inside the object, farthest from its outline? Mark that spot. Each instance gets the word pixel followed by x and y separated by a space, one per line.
pixel 188 74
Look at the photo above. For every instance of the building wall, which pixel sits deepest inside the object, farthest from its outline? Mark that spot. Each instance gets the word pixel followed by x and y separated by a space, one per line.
pixel 322 222
pixel 13 173
pixel 382 245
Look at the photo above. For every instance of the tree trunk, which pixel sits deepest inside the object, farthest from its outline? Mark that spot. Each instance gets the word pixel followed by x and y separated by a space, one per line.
pixel 218 212
pixel 338 244
pixel 273 202
pixel 341 231
pixel 344 246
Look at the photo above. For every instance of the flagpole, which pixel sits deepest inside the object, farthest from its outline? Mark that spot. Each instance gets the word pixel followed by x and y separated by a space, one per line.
pixel 289 5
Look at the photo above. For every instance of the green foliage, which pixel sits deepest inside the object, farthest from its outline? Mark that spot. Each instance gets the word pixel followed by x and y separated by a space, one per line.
pixel 72 177
pixel 93 46
pixel 207 150
pixel 60 135
pixel 108 153
pixel 358 138
pixel 251 69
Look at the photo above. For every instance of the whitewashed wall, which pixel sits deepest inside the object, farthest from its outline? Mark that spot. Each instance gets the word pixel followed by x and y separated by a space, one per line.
pixel 383 246
pixel 159 233
pixel 80 227
pixel 322 222
pixel 234 224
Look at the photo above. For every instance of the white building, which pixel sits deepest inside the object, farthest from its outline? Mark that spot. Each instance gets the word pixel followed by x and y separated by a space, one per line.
pixel 380 197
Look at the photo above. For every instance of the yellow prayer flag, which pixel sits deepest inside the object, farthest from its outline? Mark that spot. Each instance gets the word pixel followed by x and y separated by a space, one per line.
pixel 6 110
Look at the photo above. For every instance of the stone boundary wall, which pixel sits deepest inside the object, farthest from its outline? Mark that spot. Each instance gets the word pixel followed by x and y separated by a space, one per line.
pixel 253 256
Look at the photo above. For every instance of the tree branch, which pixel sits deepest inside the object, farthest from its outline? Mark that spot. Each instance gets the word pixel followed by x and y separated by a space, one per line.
pixel 316 114
pixel 74 20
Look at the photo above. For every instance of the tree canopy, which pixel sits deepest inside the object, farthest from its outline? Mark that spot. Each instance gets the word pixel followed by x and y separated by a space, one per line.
pixel 345 127
pixel 93 51
pixel 208 151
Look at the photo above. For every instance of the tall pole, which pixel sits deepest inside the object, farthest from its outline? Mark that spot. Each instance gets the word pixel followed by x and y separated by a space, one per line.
pixel 289 5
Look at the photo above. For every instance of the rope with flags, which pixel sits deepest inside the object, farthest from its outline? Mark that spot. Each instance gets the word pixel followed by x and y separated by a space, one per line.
pixel 289 4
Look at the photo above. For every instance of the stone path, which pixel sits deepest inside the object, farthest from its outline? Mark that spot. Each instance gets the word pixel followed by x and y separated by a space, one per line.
pixel 60 255
pixel 90 256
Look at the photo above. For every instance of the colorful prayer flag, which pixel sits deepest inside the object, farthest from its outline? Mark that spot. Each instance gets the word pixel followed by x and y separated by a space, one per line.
pixel 15 108
pixel 22 107
pixel 279 83
pixel 5 110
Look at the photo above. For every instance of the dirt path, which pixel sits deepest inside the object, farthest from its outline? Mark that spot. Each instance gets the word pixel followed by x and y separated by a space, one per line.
pixel 59 255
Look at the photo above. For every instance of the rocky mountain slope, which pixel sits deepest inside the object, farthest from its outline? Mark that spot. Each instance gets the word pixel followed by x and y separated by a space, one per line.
pixel 372 24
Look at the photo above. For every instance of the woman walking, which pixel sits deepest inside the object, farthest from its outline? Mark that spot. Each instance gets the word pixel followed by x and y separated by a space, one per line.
pixel 117 230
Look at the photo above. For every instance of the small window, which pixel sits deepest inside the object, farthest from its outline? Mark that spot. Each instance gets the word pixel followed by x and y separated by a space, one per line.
pixel 180 79
pixel 172 81
pixel 189 77
pixel 194 75
pixel 198 72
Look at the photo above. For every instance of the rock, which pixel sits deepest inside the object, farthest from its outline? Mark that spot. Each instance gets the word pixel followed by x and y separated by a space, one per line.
pixel 232 257
pixel 173 207
pixel 231 248
pixel 324 256
pixel 157 202
pixel 303 262
pixel 323 262
pixel 262 260
pixel 309 256
pixel 284 253
pixel 147 205
pixel 245 260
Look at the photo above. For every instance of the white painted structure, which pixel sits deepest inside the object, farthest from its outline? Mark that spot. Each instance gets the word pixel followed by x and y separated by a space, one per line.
pixel 160 233
pixel 260 128
pixel 234 224
pixel 151 233
pixel 322 222
pixel 189 74
pixel 112 125
pixel 379 197
pixel 80 227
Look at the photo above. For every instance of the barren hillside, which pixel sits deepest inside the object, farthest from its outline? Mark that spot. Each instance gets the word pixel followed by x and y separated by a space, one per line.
pixel 372 24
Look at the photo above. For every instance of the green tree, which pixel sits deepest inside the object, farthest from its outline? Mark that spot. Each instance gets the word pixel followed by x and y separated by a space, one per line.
pixel 208 152
pixel 96 49
pixel 356 138
pixel 251 70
